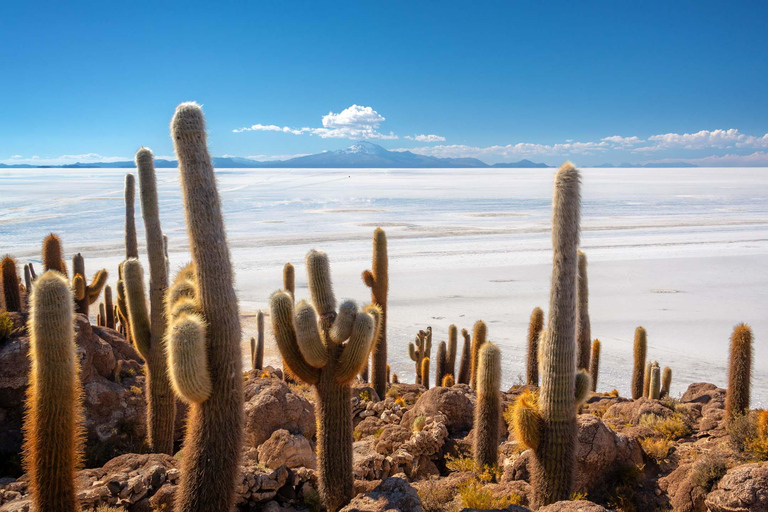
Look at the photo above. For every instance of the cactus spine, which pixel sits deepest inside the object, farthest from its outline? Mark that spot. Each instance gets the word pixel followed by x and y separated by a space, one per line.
pixel 257 346
pixel 377 279
pixel 638 372
pixel 551 422
pixel 131 242
pixel 666 381
pixel 425 372
pixel 52 255
pixel 478 338
pixel 655 384
pixel 488 408
pixel 466 356
pixel 11 288
pixel 583 335
pixel 311 341
pixel 739 372
pixel 535 327
pixel 594 364
pixel 52 438
pixel 86 294
pixel 440 365
pixel 212 446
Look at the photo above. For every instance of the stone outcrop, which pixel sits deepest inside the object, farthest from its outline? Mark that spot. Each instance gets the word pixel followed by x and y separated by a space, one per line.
pixel 454 403
pixel 271 405
pixel 742 489
pixel 391 495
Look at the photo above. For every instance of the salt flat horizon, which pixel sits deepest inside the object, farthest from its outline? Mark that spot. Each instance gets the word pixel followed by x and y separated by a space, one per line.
pixel 679 251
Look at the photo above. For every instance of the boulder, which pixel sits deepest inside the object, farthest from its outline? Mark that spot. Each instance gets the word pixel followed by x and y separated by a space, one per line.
pixel 684 492
pixel 742 489
pixel 632 411
pixel 573 506
pixel 393 494
pixel 284 448
pixel 270 405
pixel 454 403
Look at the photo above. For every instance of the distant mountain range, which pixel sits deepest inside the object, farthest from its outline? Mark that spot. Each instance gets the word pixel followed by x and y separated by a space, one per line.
pixel 361 154
pixel 647 166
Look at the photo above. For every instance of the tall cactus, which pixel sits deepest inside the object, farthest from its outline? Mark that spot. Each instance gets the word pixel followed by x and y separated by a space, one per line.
pixel 312 343
pixel 214 433
pixel 441 363
pixel 666 381
pixel 53 258
pixel 739 372
pixel 583 334
pixel 594 364
pixel 535 326
pixel 488 408
pixel 52 436
pixel 131 242
pixel 479 333
pixel 109 321
pixel 465 365
pixel 453 342
pixel 86 294
pixel 377 279
pixel 419 349
pixel 654 389
pixel 425 372
pixel 257 346
pixel 638 373
pixel 549 425
pixel 11 289
pixel 647 379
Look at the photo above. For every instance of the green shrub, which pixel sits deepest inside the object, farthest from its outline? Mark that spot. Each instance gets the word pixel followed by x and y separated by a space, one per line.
pixel 708 470
pixel 6 326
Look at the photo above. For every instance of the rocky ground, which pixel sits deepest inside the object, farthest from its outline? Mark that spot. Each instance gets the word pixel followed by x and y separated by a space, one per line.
pixel 412 448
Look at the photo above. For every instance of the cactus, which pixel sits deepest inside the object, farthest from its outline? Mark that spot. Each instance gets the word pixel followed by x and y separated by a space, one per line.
pixel 638 372
pixel 594 363
pixel 364 373
pixel 448 381
pixel 52 435
pixel 53 258
pixel 554 415
pixel 583 334
pixel 535 327
pixel 214 432
pixel 488 408
pixel 29 280
pixel 377 279
pixel 388 374
pixel 122 305
pixel 11 289
pixel 289 280
pixel 101 317
pixel 739 372
pixel 466 356
pixel 257 347
pixel 647 379
pixel 478 338
pixel 583 386
pixel 425 372
pixel 131 243
pixel 109 321
pixel 666 381
pixel 311 341
pixel 453 342
pixel 86 294
pixel 654 390
pixel 440 365
pixel 419 349
pixel 395 379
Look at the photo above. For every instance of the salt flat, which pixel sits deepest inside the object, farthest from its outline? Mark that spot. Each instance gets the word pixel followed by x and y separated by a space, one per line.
pixel 681 252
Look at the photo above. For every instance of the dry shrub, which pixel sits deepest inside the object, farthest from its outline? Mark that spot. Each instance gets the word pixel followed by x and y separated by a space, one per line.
pixel 475 495
pixel 6 326
pixel 708 470
pixel 656 448
pixel 672 428
pixel 435 497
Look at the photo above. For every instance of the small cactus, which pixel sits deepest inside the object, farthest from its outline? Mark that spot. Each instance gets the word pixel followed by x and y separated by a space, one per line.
pixel 101 317
pixel 419 349
pixel 388 374
pixel 465 365
pixel 594 364
pixel 655 382
pixel 535 327
pixel 479 333
pixel 289 280
pixel 448 381
pixel 86 294
pixel 377 279
pixel 109 321
pixel 131 242
pixel 440 365
pixel 29 280
pixel 488 408
pixel 11 289
pixel 425 372
pixel 739 372
pixel 53 258
pixel 638 372
pixel 395 379
pixel 257 346
pixel 583 333
pixel 52 435
pixel 666 381
pixel 452 347
pixel 647 379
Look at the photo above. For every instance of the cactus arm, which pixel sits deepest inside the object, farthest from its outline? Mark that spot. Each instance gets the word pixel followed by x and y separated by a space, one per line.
pixel 666 381
pixel 478 338
pixel 138 317
pixel 412 352
pixel 308 336
pixel 281 307
pixel 535 327
pixel 582 387
pixel 289 280
pixel 260 341
pixel 357 349
pixel 188 358
pixel 345 320
pixel 526 420
pixel 131 242
pixel 655 383
pixel 594 363
pixel 97 283
pixel 583 331
pixel 377 313
pixel 52 255
pixel 424 372
pixel 464 365
pixel 441 363
pixel 78 287
pixel 320 284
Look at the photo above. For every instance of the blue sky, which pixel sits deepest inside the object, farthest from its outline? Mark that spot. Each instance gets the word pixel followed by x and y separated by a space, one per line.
pixel 601 81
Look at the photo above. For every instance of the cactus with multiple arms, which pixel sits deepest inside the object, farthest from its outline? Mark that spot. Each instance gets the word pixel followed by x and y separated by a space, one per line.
pixel 419 349
pixel 638 373
pixel 53 258
pixel 11 289
pixel 739 372
pixel 535 326
pixel 52 437
pixel 488 408
pixel 466 356
pixel 479 333
pixel 131 242
pixel 86 294
pixel 377 279
pixel 214 431
pixel 583 334
pixel 594 363
pixel 666 381
pixel 548 426
pixel 312 343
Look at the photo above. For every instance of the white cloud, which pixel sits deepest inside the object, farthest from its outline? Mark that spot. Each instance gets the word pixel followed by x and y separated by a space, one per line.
pixel 86 158
pixel 756 159
pixel 267 158
pixel 705 139
pixel 16 156
pixel 623 141
pixel 355 122
pixel 426 138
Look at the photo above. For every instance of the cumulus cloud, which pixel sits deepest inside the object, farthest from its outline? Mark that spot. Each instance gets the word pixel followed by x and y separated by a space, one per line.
pixel 86 158
pixel 355 122
pixel 756 159
pixel 426 138
pixel 704 139
pixel 623 141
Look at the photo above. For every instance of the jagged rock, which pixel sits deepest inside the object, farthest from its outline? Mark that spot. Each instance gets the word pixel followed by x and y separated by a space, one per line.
pixel 283 448
pixel 632 411
pixel 270 405
pixel 742 489
pixel 685 493
pixel 709 401
pixel 392 438
pixel 454 403
pixel 392 494
pixel 573 506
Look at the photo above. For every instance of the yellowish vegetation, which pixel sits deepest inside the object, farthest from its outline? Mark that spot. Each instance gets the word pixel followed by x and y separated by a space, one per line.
pixel 656 448
pixel 475 495
pixel 673 427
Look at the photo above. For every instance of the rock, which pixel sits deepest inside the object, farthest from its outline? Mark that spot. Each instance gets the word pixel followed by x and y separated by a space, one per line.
pixel 742 489
pixel 393 494
pixel 270 405
pixel 454 403
pixel 573 506
pixel 685 494
pixel 702 392
pixel 392 438
pixel 632 411
pixel 283 448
